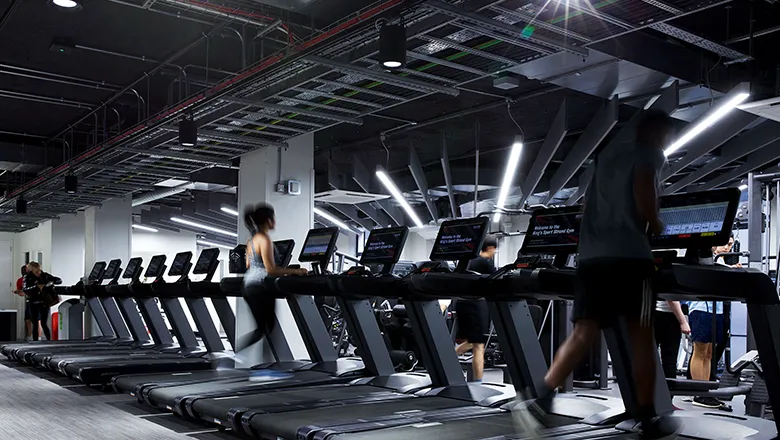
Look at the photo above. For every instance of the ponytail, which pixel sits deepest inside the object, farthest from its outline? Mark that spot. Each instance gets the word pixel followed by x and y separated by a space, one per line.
pixel 256 217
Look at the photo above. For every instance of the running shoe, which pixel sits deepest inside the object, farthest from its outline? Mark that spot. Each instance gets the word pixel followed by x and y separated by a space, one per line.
pixel 712 403
pixel 529 415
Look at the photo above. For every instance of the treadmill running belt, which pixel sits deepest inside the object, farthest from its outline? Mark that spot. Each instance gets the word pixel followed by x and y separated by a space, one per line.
pixel 128 383
pixel 288 425
pixel 293 399
pixel 173 396
pixel 465 429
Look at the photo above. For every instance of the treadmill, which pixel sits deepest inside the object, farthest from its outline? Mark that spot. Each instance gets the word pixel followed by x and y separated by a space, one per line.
pixel 449 396
pixel 95 276
pixel 165 356
pixel 325 366
pixel 114 321
pixel 135 384
pixel 353 291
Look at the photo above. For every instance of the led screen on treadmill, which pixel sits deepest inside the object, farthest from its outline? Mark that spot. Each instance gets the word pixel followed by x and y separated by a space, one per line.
pixel 155 266
pixel 697 219
pixel 553 230
pixel 179 263
pixel 132 267
pixel 318 243
pixel 96 270
pixel 459 239
pixel 384 246
pixel 206 259
pixel 112 270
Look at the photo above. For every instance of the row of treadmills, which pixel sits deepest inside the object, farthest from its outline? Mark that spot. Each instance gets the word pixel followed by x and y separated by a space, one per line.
pixel 326 397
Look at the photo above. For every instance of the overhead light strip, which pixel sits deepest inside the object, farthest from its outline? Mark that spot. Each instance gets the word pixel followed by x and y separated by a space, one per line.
pixel 723 109
pixel 203 227
pixel 145 228
pixel 509 175
pixel 396 193
pixel 212 244
pixel 334 220
pixel 228 210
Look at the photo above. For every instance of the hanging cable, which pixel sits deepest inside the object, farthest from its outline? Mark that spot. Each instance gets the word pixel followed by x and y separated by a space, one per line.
pixel 509 111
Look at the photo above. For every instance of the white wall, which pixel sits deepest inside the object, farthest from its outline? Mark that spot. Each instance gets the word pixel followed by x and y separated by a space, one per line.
pixel 68 248
pixel 417 248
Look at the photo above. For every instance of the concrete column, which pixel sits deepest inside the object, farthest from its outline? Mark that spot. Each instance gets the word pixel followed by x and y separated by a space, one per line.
pixel 107 236
pixel 68 248
pixel 258 176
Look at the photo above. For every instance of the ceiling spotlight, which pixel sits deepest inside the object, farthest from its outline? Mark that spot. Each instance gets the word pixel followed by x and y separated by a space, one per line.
pixel 66 4
pixel 71 184
pixel 144 228
pixel 188 132
pixel 392 46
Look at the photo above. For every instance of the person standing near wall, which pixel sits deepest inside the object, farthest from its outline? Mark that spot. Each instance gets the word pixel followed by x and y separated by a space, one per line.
pixel 27 314
pixel 35 281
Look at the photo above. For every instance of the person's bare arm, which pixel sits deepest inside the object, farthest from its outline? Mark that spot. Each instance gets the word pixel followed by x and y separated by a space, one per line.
pixel 647 198
pixel 267 253
pixel 678 313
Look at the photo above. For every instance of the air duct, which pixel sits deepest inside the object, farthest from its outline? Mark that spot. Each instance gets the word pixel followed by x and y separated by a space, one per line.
pixel 161 194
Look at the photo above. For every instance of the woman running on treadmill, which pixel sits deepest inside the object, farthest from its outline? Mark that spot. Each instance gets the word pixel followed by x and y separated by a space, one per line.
pixel 260 263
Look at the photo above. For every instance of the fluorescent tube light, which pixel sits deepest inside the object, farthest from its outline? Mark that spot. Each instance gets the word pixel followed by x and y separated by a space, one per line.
pixel 723 109
pixel 396 193
pixel 743 187
pixel 230 211
pixel 509 175
pixel 212 244
pixel 203 227
pixel 334 220
pixel 145 228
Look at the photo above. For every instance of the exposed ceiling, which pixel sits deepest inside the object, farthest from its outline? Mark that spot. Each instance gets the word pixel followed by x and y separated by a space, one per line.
pixel 99 92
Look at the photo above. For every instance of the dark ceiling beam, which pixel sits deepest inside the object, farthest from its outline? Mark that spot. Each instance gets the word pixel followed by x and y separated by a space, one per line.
pixel 598 128
pixel 28 154
pixel 177 155
pixel 584 180
pixel 394 213
pixel 445 168
pixel 422 184
pixel 754 161
pixel 360 174
pixel 668 100
pixel 550 146
pixel 374 214
pixel 294 110
pixel 216 176
pixel 739 146
pixel 351 213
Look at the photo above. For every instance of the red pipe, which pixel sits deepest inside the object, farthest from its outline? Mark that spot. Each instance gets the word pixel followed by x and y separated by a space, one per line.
pixel 268 62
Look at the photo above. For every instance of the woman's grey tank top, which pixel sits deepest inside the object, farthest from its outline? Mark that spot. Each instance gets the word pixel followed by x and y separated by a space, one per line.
pixel 256 272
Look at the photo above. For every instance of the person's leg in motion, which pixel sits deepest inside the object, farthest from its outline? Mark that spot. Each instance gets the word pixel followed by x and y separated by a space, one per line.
pixel 667 337
pixel 571 352
pixel 463 348
pixel 701 360
pixel 478 362
pixel 644 365
pixel 44 321
pixel 27 321
pixel 253 294
pixel 35 315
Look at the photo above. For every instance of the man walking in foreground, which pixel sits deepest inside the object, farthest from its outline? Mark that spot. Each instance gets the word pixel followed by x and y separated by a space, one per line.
pixel 615 271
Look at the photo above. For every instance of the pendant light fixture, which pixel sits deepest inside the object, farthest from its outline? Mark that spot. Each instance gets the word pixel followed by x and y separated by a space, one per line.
pixel 392 45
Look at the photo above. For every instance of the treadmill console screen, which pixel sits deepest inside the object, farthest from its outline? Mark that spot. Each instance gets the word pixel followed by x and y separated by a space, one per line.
pixel 694 220
pixel 180 263
pixel 283 252
pixel 384 246
pixel 554 230
pixel 113 269
pixel 460 239
pixel 97 271
pixel 155 266
pixel 132 267
pixel 205 261
pixel 319 245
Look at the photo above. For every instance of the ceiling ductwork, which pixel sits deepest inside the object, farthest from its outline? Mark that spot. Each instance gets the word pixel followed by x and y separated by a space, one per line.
pixel 161 194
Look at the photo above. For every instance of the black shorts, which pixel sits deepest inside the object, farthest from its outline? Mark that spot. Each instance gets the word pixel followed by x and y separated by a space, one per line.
pixel 27 312
pixel 609 289
pixel 473 321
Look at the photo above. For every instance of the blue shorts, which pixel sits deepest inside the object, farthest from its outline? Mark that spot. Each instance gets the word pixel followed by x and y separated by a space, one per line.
pixel 701 327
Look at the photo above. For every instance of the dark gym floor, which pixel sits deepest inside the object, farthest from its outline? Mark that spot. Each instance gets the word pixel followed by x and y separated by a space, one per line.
pixel 37 405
